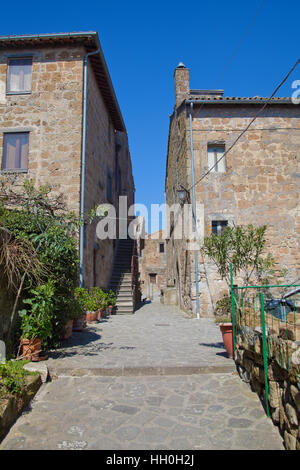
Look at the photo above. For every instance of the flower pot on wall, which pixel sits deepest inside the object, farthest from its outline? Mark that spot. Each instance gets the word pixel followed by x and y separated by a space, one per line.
pixel 227 335
pixel 68 329
pixel 30 348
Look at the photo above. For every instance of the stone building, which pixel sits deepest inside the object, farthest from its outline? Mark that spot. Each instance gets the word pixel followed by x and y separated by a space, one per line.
pixel 60 123
pixel 256 182
pixel 152 264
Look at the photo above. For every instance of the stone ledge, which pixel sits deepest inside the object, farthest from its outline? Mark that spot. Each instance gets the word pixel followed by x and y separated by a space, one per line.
pixel 140 371
pixel 12 407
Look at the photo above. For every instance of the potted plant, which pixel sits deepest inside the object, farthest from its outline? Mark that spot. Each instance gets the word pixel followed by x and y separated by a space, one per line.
pixel 75 317
pixel 98 295
pixel 36 324
pixel 79 321
pixel 110 301
pixel 87 302
pixel 222 314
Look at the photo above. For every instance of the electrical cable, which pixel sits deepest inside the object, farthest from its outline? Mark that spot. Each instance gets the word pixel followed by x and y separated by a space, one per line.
pixel 239 44
pixel 247 127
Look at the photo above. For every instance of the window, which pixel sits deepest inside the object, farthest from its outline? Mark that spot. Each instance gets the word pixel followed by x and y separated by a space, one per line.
pixel 214 153
pixel 15 151
pixel 152 277
pixel 218 226
pixel 19 75
pixel 161 247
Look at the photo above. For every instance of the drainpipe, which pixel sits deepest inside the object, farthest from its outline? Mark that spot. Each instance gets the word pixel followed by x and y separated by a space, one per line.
pixel 81 249
pixel 194 213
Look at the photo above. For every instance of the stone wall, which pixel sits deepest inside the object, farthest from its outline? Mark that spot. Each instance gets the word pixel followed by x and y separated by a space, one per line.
pixel 152 261
pixel 180 261
pixel 51 113
pixel 100 158
pixel 260 185
pixel 107 151
pixel 283 376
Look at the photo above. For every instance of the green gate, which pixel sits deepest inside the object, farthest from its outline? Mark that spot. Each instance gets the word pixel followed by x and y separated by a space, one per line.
pixel 270 315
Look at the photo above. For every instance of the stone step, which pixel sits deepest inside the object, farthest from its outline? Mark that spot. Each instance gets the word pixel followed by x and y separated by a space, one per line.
pixel 121 277
pixel 124 311
pixel 124 295
pixel 118 282
pixel 121 304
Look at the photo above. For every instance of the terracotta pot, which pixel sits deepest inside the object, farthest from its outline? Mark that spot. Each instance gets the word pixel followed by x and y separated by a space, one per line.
pixel 91 317
pixel 227 334
pixel 68 329
pixel 79 323
pixel 31 348
pixel 99 314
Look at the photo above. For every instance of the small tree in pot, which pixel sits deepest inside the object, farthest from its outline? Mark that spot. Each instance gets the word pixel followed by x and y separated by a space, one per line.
pixel 241 247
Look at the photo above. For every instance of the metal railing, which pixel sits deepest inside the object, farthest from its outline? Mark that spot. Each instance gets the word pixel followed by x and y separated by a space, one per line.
pixel 270 319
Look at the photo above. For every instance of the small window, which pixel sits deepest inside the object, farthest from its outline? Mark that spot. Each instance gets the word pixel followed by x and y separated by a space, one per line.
pixel 218 226
pixel 214 153
pixel 19 75
pixel 152 277
pixel 161 247
pixel 15 151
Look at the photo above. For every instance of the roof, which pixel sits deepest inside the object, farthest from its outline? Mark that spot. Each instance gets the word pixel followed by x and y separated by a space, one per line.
pixel 90 41
pixel 211 99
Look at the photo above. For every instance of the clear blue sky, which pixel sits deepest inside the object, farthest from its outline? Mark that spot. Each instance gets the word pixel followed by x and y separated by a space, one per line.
pixel 144 41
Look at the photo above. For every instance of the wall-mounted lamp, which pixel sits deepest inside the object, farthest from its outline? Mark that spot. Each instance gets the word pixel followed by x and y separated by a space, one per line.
pixel 183 195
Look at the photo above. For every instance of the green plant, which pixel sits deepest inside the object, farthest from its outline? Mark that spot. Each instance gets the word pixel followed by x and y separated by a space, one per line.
pixel 86 300
pixel 99 297
pixel 81 295
pixel 33 220
pixel 110 298
pixel 36 321
pixel 94 298
pixel 243 247
pixel 73 309
pixel 12 377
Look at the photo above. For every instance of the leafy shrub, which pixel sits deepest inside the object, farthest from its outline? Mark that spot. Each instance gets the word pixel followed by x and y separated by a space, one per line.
pixel 94 298
pixel 243 247
pixel 12 377
pixel 36 320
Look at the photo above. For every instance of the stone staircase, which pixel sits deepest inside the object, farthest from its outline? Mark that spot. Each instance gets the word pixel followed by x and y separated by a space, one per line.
pixel 120 281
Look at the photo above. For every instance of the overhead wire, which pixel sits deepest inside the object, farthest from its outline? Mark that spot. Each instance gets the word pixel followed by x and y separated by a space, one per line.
pixel 247 127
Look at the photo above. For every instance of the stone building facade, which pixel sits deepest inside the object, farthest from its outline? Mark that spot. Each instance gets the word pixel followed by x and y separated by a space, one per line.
pixel 152 264
pixel 42 113
pixel 257 182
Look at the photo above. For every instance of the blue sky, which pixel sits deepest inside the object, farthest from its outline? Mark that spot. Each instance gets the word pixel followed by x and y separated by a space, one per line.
pixel 144 41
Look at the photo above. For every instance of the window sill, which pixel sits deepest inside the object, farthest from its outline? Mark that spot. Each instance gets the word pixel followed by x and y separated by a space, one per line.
pixel 15 171
pixel 13 93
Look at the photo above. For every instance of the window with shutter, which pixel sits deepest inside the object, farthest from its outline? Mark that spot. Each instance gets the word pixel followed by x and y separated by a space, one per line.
pixel 15 151
pixel 19 75
pixel 214 157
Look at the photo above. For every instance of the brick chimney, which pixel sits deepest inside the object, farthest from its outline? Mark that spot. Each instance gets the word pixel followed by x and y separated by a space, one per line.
pixel 182 83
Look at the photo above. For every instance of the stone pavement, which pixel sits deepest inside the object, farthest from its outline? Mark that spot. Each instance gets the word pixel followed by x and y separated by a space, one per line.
pixel 156 339
pixel 111 392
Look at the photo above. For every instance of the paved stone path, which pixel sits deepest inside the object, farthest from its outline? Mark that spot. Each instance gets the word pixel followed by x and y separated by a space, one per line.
pixel 156 337
pixel 110 394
